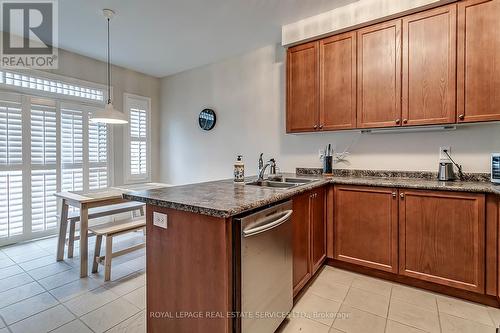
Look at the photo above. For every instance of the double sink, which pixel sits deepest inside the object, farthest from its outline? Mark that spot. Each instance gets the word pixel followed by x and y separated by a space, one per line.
pixel 281 182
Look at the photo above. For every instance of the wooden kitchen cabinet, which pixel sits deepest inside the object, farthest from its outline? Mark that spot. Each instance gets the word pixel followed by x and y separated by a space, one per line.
pixel 429 67
pixel 478 71
pixel 318 229
pixel 303 88
pixel 301 241
pixel 366 226
pixel 309 236
pixel 379 75
pixel 442 238
pixel 338 82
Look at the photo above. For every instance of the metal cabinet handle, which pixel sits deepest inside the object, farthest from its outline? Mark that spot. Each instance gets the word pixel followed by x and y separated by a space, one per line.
pixel 402 195
pixel 393 194
pixel 398 121
pixel 405 121
pixel 315 126
pixel 461 116
pixel 320 126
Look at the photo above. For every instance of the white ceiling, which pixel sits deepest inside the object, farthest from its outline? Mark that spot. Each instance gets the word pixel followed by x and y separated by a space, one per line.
pixel 163 37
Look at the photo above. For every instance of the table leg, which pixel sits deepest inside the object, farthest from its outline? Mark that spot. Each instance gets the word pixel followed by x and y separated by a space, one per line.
pixel 84 253
pixel 63 224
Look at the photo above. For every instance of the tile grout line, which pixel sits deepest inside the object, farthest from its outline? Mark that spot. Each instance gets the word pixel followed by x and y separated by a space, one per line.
pixel 342 303
pixel 388 309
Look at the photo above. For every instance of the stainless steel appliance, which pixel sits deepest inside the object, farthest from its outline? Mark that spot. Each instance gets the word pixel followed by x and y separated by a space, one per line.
pixel 263 271
pixel 446 171
pixel 495 168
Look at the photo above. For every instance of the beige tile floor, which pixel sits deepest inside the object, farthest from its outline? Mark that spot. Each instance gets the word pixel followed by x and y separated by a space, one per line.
pixel 39 295
pixel 340 301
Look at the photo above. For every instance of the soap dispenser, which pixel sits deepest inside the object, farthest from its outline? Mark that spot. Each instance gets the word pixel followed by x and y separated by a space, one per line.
pixel 239 170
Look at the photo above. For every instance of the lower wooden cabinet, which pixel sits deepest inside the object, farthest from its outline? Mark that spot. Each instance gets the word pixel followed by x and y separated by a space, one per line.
pixel 442 238
pixel 366 226
pixel 301 241
pixel 434 236
pixel 309 236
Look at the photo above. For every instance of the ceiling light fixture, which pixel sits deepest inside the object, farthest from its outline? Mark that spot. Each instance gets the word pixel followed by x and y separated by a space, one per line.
pixel 109 115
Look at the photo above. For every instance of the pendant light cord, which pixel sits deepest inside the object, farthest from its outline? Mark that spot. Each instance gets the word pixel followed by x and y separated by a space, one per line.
pixel 109 71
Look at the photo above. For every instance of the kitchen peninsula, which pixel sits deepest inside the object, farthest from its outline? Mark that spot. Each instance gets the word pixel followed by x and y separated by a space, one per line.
pixel 191 284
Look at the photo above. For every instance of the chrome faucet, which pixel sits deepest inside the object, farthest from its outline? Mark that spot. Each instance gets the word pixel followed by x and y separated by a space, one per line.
pixel 262 167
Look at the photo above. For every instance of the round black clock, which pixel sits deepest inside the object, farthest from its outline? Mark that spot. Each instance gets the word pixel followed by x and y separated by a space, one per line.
pixel 207 119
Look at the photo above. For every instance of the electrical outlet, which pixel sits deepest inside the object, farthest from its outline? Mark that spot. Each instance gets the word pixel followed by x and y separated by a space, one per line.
pixel 160 220
pixel 442 155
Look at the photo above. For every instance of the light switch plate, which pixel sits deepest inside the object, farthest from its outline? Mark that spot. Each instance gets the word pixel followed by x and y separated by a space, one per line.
pixel 160 220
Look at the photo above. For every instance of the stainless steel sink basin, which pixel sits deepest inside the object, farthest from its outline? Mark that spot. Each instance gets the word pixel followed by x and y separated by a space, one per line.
pixel 282 182
pixel 298 180
pixel 274 184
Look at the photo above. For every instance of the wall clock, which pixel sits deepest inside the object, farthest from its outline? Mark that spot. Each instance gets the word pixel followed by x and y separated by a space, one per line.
pixel 207 119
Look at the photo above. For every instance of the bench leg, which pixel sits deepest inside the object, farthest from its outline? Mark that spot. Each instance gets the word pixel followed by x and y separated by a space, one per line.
pixel 108 257
pixel 63 224
pixel 71 241
pixel 97 253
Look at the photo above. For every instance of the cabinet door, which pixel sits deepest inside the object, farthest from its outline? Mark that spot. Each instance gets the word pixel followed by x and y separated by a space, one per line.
pixel 379 75
pixel 318 229
pixel 301 241
pixel 478 79
pixel 365 226
pixel 338 82
pixel 302 88
pixel 442 238
pixel 429 67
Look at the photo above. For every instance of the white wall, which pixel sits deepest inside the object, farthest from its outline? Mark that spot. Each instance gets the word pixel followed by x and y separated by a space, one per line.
pixel 247 93
pixel 350 16
pixel 123 80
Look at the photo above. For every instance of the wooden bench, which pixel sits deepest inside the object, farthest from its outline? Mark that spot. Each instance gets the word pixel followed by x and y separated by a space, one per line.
pixel 94 213
pixel 110 230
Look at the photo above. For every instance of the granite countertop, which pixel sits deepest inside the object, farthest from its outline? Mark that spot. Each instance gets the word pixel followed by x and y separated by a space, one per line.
pixel 225 198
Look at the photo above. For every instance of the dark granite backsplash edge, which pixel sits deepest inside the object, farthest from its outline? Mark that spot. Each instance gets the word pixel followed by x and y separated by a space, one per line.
pixel 427 175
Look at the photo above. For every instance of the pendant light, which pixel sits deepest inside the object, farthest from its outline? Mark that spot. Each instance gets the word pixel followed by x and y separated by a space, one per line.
pixel 109 115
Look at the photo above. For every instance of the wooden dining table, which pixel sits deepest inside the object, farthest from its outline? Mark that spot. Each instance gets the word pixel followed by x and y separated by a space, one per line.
pixel 85 201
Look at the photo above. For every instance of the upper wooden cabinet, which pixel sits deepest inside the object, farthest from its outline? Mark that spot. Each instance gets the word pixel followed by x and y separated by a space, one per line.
pixel 442 238
pixel 379 75
pixel 302 88
pixel 439 66
pixel 478 61
pixel 366 226
pixel 429 67
pixel 338 82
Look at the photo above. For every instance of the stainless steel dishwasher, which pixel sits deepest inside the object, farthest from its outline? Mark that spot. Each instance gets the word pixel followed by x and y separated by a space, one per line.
pixel 263 273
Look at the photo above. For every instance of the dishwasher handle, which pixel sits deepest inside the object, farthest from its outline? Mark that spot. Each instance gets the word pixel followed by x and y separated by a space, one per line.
pixel 273 224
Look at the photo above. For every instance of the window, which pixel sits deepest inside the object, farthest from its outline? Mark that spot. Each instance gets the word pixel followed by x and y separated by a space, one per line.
pixel 51 85
pixel 46 146
pixel 137 139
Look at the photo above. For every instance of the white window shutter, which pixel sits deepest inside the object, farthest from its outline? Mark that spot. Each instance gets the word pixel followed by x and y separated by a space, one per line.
pixel 43 201
pixel 10 133
pixel 98 143
pixel 43 135
pixel 11 203
pixel 71 137
pixel 44 175
pixel 138 142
